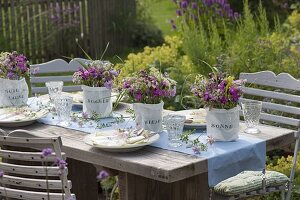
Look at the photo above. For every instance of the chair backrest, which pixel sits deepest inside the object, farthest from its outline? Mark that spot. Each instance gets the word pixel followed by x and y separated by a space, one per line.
pixel 279 95
pixel 46 70
pixel 35 176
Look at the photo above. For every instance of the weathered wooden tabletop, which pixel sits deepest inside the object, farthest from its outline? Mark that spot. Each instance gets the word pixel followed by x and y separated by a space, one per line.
pixel 150 162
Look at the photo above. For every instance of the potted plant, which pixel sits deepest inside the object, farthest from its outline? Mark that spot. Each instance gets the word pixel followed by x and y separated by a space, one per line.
pixel 220 94
pixel 97 80
pixel 147 89
pixel 14 68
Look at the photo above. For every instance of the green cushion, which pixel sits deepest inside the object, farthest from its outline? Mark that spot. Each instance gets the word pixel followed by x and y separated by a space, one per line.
pixel 249 181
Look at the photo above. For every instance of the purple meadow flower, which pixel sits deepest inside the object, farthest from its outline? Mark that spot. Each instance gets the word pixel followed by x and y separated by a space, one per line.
pixel 196 150
pixel 114 73
pixel 1 173
pixel 207 96
pixel 46 152
pixel 173 92
pixel 126 84
pixel 61 163
pixel 236 15
pixel 221 2
pixel 178 12
pixel 102 175
pixel 234 93
pixel 138 96
pixel 10 75
pixel 194 5
pixel 174 27
pixel 21 58
pixel 224 100
pixel 184 4
pixel 85 115
pixel 157 92
pixel 222 85
pixel 108 84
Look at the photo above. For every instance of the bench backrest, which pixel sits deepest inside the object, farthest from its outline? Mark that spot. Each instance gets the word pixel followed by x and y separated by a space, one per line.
pixel 57 66
pixel 280 96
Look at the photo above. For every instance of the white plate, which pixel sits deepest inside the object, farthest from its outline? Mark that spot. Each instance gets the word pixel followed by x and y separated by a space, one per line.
pixel 12 117
pixel 194 118
pixel 111 147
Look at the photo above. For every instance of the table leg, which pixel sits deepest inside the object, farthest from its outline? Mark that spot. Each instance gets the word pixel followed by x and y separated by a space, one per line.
pixel 83 177
pixel 133 187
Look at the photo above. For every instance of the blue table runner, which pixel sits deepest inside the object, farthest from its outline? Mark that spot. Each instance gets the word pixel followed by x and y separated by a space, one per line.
pixel 225 159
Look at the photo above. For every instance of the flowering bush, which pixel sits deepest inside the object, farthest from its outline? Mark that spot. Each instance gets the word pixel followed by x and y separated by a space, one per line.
pixel 13 66
pixel 188 10
pixel 217 91
pixel 96 74
pixel 149 86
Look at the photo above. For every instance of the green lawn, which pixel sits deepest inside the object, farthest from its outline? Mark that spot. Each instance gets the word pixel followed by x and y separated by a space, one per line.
pixel 161 12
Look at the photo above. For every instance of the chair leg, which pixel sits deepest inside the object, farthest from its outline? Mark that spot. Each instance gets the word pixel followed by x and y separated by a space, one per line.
pixel 292 175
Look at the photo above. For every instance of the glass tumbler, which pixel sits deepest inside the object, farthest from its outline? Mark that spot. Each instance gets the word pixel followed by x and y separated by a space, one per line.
pixel 251 111
pixel 174 126
pixel 54 89
pixel 63 107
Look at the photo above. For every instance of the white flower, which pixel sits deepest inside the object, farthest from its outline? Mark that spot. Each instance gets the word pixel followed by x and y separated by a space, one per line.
pixel 101 64
pixel 77 77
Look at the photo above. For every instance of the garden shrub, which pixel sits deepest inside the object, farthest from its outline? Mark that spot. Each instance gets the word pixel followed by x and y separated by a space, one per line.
pixel 242 44
pixel 169 57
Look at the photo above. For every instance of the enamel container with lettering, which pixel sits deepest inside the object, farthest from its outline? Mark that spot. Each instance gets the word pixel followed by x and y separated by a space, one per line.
pixel 13 92
pixel 149 116
pixel 97 100
pixel 222 124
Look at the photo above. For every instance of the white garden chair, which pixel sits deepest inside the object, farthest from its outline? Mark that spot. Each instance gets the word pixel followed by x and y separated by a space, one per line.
pixel 277 87
pixel 33 179
pixel 44 71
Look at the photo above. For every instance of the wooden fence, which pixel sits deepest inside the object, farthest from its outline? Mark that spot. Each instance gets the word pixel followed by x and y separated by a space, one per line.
pixel 48 29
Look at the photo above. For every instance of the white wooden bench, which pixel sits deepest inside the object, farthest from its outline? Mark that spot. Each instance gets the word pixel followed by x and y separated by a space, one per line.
pixel 57 66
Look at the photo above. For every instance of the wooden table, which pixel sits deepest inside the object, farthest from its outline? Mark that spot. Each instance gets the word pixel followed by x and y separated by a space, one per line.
pixel 149 173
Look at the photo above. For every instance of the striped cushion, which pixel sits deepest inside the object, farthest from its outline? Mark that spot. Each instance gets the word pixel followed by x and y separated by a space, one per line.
pixel 249 181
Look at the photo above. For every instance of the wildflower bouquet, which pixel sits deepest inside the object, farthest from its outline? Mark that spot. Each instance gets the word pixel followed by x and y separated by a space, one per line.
pixel 13 66
pixel 221 95
pixel 218 91
pixel 149 86
pixel 98 73
pixel 97 79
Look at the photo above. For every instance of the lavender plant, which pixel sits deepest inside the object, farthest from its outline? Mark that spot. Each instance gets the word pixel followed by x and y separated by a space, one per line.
pixel 189 13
